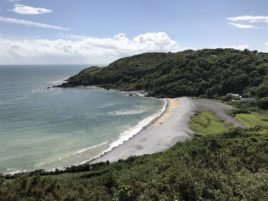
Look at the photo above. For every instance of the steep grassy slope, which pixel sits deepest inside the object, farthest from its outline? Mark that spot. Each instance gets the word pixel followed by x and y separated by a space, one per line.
pixel 208 72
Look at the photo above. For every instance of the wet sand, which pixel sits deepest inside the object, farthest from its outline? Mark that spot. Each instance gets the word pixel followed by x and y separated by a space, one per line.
pixel 172 106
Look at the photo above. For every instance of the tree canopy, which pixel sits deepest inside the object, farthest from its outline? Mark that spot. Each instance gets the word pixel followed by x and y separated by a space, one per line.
pixel 207 72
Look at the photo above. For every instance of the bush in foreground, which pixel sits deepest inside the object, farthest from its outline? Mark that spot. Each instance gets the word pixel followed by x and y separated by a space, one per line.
pixel 232 166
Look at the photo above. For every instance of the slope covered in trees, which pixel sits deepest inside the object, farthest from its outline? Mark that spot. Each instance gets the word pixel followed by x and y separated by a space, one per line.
pixel 207 72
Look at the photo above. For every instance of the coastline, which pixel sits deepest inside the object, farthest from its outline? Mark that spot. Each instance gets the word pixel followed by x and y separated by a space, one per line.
pixel 161 131
pixel 160 134
pixel 125 135
pixel 174 118
pixel 132 132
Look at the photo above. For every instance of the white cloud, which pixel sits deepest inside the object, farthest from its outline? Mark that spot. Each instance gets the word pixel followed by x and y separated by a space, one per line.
pixel 240 21
pixel 28 10
pixel 266 47
pixel 84 49
pixel 244 26
pixel 249 19
pixel 8 20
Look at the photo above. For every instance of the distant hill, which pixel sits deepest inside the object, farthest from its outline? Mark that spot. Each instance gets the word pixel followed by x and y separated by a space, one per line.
pixel 207 72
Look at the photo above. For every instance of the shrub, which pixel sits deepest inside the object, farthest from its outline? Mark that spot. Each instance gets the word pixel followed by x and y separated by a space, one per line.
pixel 263 103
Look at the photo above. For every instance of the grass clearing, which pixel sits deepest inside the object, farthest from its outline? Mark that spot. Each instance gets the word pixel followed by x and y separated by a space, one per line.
pixel 206 123
pixel 254 120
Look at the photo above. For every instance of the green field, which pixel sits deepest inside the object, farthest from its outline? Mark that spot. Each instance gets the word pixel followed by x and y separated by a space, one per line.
pixel 206 123
pixel 255 120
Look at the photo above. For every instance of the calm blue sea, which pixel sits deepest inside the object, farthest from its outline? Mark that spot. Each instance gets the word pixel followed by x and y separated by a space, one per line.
pixel 54 128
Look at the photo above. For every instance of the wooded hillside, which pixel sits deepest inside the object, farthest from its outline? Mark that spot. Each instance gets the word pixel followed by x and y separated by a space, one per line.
pixel 207 72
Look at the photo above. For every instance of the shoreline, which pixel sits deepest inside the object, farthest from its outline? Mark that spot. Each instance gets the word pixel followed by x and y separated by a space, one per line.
pixel 151 119
pixel 162 133
pixel 122 137
pixel 170 126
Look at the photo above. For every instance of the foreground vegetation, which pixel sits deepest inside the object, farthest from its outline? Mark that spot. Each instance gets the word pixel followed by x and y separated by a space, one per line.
pixel 231 166
pixel 208 72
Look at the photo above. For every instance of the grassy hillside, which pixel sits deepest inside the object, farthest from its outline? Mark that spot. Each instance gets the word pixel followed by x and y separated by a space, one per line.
pixel 208 72
pixel 231 166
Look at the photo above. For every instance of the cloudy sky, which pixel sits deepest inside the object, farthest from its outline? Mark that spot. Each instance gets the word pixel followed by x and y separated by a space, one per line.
pixel 100 31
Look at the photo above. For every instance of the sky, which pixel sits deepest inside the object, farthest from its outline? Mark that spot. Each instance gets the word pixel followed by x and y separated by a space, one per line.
pixel 101 31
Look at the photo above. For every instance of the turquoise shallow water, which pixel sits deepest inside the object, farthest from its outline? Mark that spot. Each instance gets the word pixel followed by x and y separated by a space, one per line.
pixel 55 128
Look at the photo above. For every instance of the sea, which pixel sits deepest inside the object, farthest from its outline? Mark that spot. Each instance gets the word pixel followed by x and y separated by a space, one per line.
pixel 53 128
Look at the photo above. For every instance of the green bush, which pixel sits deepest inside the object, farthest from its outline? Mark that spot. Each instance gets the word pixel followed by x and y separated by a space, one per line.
pixel 263 103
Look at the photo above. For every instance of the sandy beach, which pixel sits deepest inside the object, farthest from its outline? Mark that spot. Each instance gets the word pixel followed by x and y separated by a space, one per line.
pixel 171 127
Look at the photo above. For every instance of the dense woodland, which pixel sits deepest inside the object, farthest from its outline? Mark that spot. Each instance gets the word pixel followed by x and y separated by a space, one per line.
pixel 207 73
pixel 230 166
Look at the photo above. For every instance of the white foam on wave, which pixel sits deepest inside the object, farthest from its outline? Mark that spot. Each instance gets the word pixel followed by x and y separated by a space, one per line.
pixel 131 132
pixel 107 105
pixel 41 165
pixel 58 82
pixel 89 148
pixel 126 112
